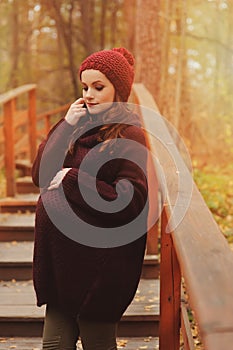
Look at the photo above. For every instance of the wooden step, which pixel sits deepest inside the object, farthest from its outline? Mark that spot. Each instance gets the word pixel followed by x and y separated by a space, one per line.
pixel 25 185
pixel 35 343
pixel 16 261
pixel 20 317
pixel 151 267
pixel 17 227
pixel 24 166
pixel 19 203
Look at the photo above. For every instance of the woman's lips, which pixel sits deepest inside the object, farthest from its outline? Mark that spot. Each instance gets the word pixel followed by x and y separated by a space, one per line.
pixel 91 104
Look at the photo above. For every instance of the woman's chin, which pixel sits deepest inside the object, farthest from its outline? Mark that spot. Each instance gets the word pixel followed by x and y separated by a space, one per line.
pixel 100 108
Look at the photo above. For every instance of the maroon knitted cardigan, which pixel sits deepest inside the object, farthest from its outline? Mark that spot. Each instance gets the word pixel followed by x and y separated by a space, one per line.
pixel 92 283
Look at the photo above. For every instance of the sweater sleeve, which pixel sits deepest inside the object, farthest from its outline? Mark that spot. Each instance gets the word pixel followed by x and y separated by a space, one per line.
pixel 127 170
pixel 51 153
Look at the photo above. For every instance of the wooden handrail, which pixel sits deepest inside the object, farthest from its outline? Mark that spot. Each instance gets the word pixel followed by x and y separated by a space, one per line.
pixel 12 94
pixel 13 119
pixel 46 116
pixel 196 244
pixel 9 102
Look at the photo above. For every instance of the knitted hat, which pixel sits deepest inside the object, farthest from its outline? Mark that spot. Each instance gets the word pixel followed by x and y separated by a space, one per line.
pixel 117 65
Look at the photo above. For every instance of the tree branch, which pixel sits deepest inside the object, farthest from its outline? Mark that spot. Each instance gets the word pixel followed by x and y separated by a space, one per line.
pixel 212 40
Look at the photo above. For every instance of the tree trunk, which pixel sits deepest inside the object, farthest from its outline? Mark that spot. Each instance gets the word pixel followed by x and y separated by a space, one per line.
pixel 165 45
pixel 13 81
pixel 104 4
pixel 129 12
pixel 113 24
pixel 148 45
pixel 87 13
pixel 181 62
pixel 66 29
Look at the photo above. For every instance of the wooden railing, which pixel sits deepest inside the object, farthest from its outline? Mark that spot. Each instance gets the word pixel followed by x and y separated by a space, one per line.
pixel 192 247
pixel 46 118
pixel 11 119
pixel 20 130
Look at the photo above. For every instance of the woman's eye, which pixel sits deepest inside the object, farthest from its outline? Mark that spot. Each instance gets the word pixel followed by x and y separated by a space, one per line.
pixel 99 88
pixel 85 88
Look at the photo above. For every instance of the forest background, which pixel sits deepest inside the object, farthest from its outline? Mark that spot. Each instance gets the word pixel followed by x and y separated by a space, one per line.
pixel 184 56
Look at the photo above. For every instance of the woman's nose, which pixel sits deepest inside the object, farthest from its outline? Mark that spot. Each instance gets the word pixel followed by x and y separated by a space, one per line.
pixel 89 93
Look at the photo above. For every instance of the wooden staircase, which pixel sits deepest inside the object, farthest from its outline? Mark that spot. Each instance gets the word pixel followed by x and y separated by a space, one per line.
pixel 19 315
pixel 188 254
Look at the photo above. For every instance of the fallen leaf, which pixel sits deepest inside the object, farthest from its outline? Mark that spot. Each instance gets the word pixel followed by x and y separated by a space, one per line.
pixel 147 339
pixel 149 307
pixel 121 343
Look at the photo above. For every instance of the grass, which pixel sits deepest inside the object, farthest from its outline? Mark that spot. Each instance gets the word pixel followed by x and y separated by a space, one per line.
pixel 216 187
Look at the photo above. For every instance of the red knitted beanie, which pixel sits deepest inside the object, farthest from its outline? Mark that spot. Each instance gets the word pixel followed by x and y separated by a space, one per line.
pixel 117 65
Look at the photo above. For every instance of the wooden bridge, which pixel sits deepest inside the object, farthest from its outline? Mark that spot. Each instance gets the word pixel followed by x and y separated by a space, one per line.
pixel 194 255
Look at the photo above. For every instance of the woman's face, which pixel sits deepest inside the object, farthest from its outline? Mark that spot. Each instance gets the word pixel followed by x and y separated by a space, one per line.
pixel 98 91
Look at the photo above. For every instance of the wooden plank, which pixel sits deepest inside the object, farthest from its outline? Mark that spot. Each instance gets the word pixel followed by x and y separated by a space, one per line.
pixel 53 112
pixel 6 97
pixel 186 327
pixel 25 185
pixel 203 252
pixel 17 220
pixel 153 215
pixel 170 285
pixel 16 252
pixel 9 147
pixel 35 343
pixel 32 124
pixel 151 267
pixel 16 227
pixel 18 234
pixel 19 203
pixel 24 166
pixel 18 297
pixel 11 249
pixel 20 316
pixel 19 271
pixel 145 303
pixel 206 261
pixel 20 118
pixel 22 328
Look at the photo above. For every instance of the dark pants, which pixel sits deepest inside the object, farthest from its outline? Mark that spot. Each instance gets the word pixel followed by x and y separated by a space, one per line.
pixel 61 332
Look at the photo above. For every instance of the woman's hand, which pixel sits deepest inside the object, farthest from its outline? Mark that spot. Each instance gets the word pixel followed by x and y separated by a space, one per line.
pixel 57 180
pixel 75 112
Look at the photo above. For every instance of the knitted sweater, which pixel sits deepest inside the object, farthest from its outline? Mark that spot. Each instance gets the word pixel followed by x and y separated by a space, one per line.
pixel 94 283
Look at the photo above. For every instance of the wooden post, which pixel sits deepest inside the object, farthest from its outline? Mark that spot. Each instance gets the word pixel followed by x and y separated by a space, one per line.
pixel 32 123
pixel 170 291
pixel 154 202
pixel 152 240
pixel 8 125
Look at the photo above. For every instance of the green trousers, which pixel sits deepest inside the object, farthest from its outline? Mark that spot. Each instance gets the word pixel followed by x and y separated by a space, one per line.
pixel 61 332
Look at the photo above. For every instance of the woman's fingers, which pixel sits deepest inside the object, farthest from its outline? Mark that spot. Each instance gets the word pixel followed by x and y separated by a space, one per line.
pixel 75 112
pixel 57 180
pixel 79 101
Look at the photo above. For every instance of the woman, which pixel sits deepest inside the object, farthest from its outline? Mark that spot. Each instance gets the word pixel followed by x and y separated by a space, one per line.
pixel 86 281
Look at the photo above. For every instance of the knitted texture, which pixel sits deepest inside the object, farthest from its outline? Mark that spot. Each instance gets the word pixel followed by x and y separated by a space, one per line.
pixel 96 283
pixel 117 65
